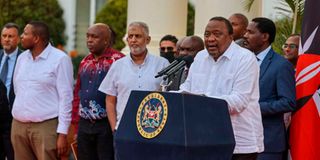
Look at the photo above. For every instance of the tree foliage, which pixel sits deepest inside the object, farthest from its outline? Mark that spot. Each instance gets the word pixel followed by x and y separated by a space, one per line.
pixel 190 19
pixel 114 13
pixel 285 24
pixel 23 11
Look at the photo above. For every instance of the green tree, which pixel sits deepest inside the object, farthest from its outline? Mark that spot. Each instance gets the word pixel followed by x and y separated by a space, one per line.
pixel 287 24
pixel 23 11
pixel 114 13
pixel 190 20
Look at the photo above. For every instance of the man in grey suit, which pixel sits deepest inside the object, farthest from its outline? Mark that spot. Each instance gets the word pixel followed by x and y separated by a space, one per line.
pixel 8 57
pixel 277 86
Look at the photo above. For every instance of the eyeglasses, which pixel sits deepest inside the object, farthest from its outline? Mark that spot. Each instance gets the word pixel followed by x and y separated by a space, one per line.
pixel 163 49
pixel 291 46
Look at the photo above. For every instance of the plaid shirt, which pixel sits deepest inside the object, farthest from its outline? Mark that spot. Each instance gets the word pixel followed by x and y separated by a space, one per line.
pixel 88 102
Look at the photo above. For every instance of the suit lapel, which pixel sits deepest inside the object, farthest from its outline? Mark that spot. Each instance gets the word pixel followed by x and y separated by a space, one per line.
pixel 265 63
pixel 1 54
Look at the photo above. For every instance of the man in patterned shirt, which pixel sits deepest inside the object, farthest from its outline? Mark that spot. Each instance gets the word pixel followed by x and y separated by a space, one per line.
pixel 95 140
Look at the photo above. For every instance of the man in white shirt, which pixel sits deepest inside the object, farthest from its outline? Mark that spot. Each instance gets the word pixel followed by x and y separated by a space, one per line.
pixel 43 81
pixel 133 72
pixel 227 71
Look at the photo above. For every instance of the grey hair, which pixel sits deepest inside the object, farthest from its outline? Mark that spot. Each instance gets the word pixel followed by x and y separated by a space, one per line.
pixel 143 25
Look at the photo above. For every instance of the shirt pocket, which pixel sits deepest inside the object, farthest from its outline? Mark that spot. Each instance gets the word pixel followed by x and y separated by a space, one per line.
pixel 225 84
pixel 199 83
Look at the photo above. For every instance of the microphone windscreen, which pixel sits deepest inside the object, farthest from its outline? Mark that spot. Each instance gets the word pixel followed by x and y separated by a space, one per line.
pixel 188 59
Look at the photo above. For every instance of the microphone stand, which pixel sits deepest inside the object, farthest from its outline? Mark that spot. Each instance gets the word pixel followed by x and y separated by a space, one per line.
pixel 165 83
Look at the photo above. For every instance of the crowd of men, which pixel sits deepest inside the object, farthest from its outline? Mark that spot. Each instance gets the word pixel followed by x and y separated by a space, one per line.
pixel 235 62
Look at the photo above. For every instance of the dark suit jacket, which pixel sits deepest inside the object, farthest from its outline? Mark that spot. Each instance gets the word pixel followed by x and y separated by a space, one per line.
pixel 5 115
pixel 177 79
pixel 11 92
pixel 277 96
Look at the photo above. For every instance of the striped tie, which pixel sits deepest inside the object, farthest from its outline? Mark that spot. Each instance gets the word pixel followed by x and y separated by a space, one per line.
pixel 4 70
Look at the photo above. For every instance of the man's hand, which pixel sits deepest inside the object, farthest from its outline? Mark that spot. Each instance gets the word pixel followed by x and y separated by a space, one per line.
pixel 75 137
pixel 62 145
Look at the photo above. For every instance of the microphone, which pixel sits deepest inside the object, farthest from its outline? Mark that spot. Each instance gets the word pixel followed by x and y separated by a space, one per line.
pixel 166 69
pixel 186 61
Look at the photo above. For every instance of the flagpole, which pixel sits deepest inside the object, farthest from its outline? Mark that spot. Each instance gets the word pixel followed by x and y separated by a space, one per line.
pixel 295 15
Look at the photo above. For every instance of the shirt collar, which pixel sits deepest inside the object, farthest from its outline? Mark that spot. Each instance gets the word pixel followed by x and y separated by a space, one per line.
pixel 263 53
pixel 146 59
pixel 227 53
pixel 44 54
pixel 107 53
pixel 11 55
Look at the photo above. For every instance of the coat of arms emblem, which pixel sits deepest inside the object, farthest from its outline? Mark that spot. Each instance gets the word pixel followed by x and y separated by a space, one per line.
pixel 152 115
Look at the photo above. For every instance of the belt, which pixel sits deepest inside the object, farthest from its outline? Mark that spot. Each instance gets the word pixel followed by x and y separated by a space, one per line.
pixel 93 121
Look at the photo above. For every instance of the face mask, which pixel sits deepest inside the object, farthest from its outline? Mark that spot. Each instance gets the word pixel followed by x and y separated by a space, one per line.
pixel 168 55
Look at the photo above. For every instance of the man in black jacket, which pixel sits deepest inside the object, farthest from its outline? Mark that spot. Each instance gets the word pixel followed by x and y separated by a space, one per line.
pixel 5 119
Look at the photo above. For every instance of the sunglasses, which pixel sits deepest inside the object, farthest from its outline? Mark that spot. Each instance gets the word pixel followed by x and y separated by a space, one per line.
pixel 291 46
pixel 168 49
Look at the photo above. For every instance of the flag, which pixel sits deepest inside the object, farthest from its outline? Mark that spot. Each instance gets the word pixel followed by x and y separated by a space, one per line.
pixel 305 123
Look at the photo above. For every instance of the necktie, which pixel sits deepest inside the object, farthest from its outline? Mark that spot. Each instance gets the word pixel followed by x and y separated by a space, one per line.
pixel 4 70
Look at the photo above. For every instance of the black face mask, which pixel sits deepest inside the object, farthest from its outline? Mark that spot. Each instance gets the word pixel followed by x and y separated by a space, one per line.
pixel 168 55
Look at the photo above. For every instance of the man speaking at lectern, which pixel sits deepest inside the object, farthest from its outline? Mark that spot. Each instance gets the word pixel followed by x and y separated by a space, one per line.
pixel 227 71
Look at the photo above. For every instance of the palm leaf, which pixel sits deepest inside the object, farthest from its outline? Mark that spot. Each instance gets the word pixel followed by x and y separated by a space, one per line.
pixel 247 4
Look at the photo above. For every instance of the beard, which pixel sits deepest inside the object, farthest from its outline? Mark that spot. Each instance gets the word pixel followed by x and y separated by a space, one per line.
pixel 137 50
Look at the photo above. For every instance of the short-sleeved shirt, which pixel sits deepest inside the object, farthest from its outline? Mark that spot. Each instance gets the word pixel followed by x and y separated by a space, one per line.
pixel 125 76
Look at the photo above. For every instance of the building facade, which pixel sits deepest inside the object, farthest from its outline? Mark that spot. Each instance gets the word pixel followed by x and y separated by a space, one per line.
pixel 162 16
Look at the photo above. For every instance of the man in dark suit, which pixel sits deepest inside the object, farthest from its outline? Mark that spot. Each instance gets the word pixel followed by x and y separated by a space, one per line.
pixel 189 46
pixel 277 86
pixel 5 115
pixel 8 56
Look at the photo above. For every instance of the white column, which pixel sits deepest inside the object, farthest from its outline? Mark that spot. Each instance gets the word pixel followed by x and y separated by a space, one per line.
pixel 69 16
pixel 162 16
pixel 206 9
pixel 92 11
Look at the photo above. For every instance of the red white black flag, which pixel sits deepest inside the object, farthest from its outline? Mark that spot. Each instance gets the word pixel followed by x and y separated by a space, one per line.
pixel 305 123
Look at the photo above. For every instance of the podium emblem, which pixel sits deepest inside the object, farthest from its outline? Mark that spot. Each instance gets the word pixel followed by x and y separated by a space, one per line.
pixel 152 115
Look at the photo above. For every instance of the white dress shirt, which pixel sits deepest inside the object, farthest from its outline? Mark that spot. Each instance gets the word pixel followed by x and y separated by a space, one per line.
pixel 43 88
pixel 262 55
pixel 125 76
pixel 234 77
pixel 11 62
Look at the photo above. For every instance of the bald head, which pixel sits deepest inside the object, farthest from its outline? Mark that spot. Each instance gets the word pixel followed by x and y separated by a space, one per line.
pixel 239 24
pixel 191 45
pixel 98 38
pixel 104 30
pixel 178 44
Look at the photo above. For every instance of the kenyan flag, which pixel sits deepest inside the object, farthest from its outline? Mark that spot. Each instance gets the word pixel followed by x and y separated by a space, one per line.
pixel 305 124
